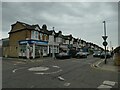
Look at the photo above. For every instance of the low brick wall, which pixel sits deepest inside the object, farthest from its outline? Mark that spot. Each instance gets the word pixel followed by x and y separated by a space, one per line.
pixel 117 58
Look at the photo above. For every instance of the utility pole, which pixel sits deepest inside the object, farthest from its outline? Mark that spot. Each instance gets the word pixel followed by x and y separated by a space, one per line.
pixel 53 53
pixel 104 38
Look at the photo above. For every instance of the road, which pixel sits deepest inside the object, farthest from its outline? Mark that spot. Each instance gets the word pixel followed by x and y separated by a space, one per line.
pixel 68 73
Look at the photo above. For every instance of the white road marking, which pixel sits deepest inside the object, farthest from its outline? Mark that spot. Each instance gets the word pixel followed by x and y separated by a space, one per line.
pixel 61 78
pixel 38 69
pixel 18 69
pixel 56 66
pixel 110 83
pixel 67 84
pixel 96 64
pixel 104 86
pixel 40 73
pixel 107 84
pixel 49 73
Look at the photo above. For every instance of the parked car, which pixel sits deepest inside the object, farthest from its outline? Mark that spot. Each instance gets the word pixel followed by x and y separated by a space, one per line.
pixel 81 55
pixel 87 53
pixel 96 54
pixel 72 53
pixel 62 55
pixel 108 55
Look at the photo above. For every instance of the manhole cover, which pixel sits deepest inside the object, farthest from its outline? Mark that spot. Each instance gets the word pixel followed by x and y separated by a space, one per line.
pixel 38 69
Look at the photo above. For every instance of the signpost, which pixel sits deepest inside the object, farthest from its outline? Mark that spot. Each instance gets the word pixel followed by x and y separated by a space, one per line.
pixel 53 53
pixel 105 42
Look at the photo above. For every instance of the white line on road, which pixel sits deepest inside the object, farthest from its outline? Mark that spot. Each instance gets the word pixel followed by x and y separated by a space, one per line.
pixel 38 69
pixel 18 69
pixel 50 72
pixel 96 64
pixel 61 78
pixel 107 84
pixel 56 66
pixel 110 83
pixel 104 86
pixel 67 84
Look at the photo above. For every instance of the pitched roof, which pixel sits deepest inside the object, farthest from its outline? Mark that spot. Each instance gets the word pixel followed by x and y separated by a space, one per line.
pixel 67 37
pixel 27 26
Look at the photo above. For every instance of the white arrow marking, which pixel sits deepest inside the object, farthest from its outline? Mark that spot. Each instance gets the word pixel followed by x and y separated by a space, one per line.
pixel 18 69
pixel 56 66
pixel 60 78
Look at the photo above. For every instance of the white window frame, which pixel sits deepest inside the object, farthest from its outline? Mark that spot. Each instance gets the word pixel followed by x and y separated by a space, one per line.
pixel 41 34
pixel 35 35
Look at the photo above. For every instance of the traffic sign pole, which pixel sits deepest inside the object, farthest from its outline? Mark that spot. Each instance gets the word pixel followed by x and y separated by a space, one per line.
pixel 104 38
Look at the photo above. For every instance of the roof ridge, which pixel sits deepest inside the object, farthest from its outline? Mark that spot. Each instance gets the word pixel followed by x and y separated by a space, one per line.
pixel 24 23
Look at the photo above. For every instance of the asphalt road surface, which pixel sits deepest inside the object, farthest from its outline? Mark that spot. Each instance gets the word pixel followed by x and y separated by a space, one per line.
pixel 49 73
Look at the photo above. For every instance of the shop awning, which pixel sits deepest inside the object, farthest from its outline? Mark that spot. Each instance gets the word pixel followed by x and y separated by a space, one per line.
pixel 38 42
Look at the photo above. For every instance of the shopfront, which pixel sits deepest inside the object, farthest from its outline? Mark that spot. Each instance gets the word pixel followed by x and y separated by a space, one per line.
pixel 54 47
pixel 33 48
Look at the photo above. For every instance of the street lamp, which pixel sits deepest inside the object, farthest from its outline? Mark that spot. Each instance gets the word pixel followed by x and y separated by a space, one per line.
pixel 105 42
pixel 53 53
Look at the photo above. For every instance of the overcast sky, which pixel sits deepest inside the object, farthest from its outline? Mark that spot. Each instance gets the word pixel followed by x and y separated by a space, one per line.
pixel 81 19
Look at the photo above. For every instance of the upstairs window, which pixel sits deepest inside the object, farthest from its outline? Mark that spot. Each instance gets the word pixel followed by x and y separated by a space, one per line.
pixel 34 35
pixel 41 35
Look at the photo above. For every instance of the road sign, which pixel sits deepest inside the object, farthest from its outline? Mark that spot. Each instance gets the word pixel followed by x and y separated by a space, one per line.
pixel 104 37
pixel 105 43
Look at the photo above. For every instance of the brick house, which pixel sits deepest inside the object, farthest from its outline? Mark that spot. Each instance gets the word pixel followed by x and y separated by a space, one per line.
pixel 27 40
pixel 67 43
pixel 53 45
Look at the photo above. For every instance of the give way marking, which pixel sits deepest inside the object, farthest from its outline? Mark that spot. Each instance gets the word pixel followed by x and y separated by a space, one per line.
pixel 107 84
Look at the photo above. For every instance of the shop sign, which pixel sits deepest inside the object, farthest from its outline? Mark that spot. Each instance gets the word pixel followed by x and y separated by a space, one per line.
pixel 33 42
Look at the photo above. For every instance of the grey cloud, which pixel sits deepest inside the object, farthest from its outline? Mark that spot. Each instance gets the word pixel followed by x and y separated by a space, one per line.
pixel 82 19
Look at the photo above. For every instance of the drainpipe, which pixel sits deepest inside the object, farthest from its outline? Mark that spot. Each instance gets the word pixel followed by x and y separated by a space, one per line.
pixel 27 51
pixel 33 50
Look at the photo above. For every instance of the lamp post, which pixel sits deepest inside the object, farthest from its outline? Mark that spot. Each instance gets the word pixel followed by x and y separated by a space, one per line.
pixel 53 54
pixel 104 38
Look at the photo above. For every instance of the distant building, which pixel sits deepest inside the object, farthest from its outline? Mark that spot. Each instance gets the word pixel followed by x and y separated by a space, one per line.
pixel 67 42
pixel 31 41
pixel 53 45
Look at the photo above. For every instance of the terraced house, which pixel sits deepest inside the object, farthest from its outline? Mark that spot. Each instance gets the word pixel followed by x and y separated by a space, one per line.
pixel 27 41
pixel 31 41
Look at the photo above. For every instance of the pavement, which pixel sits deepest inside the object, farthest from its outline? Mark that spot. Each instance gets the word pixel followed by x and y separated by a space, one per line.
pixel 109 66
